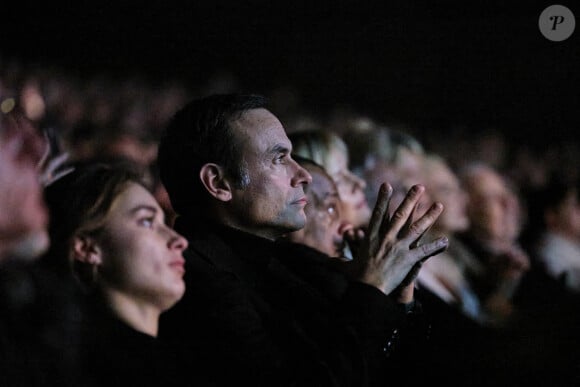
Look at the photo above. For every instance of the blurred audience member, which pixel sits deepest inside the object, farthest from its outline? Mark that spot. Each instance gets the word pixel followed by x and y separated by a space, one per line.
pixel 330 151
pixel 495 220
pixel 325 228
pixel 557 248
pixel 448 276
pixel 547 299
pixel 459 332
pixel 381 154
pixel 38 339
pixel 23 216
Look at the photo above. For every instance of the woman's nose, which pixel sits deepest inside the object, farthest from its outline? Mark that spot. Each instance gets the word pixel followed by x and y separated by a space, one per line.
pixel 177 241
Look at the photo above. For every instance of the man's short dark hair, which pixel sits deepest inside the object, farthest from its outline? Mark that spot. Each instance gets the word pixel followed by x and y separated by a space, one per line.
pixel 198 134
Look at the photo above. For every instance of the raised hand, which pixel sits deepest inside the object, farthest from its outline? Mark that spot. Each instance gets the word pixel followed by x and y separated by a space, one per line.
pixel 51 165
pixel 389 256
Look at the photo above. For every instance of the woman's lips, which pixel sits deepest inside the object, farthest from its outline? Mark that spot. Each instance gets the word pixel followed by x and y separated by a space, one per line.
pixel 178 265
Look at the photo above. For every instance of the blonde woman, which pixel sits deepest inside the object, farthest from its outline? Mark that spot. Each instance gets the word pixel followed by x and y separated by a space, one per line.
pixel 329 150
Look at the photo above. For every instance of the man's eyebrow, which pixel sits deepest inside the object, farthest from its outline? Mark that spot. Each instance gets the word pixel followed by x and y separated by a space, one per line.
pixel 279 148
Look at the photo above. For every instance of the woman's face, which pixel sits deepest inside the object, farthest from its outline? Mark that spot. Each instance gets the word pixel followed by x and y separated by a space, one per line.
pixel 140 255
pixel 351 189
pixel 324 226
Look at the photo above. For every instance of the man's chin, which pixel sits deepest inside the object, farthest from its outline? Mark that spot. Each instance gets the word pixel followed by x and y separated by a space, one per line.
pixel 290 224
pixel 300 221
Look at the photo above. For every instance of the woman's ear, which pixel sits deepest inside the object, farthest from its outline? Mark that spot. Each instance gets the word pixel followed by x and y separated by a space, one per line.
pixel 215 182
pixel 85 249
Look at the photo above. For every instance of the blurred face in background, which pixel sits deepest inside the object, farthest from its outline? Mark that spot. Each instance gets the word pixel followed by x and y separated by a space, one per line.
pixel 409 164
pixel 324 227
pixel 376 174
pixel 23 215
pixel 401 181
pixel 351 189
pixel 409 168
pixel 443 186
pixel 493 208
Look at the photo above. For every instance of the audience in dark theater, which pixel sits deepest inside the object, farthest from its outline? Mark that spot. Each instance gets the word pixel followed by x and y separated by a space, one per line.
pixel 158 234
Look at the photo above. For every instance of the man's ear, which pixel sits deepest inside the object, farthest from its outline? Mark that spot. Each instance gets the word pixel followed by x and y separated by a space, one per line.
pixel 215 182
pixel 85 249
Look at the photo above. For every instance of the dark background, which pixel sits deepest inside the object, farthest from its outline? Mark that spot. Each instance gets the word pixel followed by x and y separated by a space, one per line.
pixel 432 64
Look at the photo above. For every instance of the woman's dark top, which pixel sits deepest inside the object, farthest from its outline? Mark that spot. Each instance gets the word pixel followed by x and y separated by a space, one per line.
pixel 115 354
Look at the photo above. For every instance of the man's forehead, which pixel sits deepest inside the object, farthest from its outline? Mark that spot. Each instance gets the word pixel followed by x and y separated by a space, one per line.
pixel 256 118
pixel 260 127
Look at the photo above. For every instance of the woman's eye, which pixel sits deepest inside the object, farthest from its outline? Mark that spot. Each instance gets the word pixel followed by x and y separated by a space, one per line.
pixel 146 222
pixel 332 211
pixel 340 177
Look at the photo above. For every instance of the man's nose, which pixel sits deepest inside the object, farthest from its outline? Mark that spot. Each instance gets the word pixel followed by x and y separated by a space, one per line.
pixel 301 176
